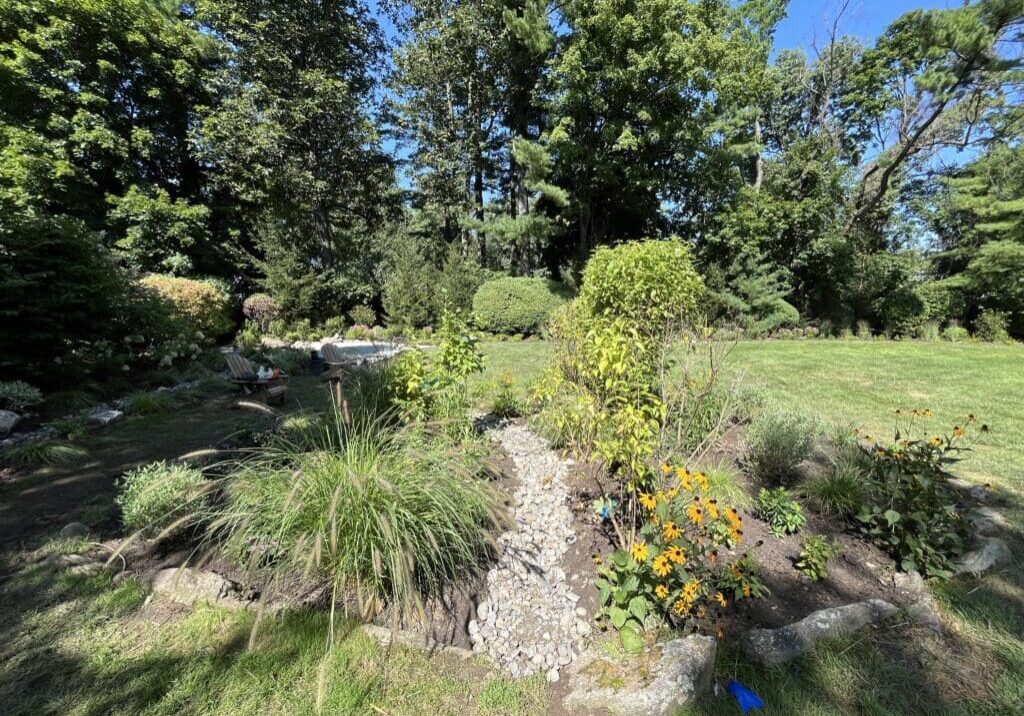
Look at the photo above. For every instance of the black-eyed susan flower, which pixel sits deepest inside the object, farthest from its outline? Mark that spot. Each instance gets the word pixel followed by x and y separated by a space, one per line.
pixel 670 531
pixel 720 598
pixel 661 592
pixel 648 501
pixel 676 554
pixel 639 551
pixel 661 565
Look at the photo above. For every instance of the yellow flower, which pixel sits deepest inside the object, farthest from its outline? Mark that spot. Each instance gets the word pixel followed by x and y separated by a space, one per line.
pixel 648 501
pixel 639 551
pixel 681 606
pixel 676 554
pixel 720 598
pixel 712 507
pixel 958 431
pixel 702 480
pixel 661 565
pixel 682 472
pixel 935 442
pixel 733 518
pixel 671 493
pixel 670 532
pixel 661 592
pixel 746 590
pixel 597 559
pixel 665 468
pixel 694 512
pixel 684 479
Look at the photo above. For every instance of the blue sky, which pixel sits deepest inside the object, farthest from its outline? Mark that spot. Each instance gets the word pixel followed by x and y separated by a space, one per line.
pixel 863 18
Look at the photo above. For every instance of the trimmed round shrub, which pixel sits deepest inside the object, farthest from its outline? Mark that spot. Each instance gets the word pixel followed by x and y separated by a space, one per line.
pixel 513 304
pixel 782 315
pixel 203 304
pixel 261 309
pixel 650 282
pixel 154 497
pixel 904 312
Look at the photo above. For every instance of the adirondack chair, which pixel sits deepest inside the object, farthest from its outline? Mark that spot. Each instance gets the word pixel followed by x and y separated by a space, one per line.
pixel 243 373
pixel 337 362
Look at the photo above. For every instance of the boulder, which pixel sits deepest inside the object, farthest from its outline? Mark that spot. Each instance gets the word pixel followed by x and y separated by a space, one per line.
pixel 8 421
pixel 914 597
pixel 74 529
pixel 188 586
pixel 680 671
pixel 104 416
pixel 988 552
pixel 777 646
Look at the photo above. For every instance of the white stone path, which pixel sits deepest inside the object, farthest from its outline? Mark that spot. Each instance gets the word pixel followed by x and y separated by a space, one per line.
pixel 530 620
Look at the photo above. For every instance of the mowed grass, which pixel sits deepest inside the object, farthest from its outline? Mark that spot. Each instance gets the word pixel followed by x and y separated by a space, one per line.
pixel 977 667
pixel 82 646
pixel 862 383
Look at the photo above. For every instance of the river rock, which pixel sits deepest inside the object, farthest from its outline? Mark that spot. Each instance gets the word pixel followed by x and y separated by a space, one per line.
pixel 74 529
pixel 8 421
pixel 777 646
pixel 104 416
pixel 680 675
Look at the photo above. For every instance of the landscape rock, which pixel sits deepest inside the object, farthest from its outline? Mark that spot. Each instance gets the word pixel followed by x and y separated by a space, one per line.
pixel 917 600
pixel 189 586
pixel 679 676
pixel 104 416
pixel 386 637
pixel 44 433
pixel 74 529
pixel 987 520
pixel 981 493
pixel 777 646
pixel 8 421
pixel 989 552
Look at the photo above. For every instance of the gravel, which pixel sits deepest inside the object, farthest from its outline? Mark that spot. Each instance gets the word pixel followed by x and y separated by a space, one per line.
pixel 529 622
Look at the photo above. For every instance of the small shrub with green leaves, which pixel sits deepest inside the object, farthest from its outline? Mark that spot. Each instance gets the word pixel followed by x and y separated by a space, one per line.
pixel 17 395
pixel 992 327
pixel 249 337
pixel 778 441
pixel 205 305
pixel 505 404
pixel 517 304
pixel 911 512
pixel 72 427
pixel 783 514
pixel 161 496
pixel 815 553
pixel 335 326
pixel 651 282
pixel 363 316
pixel 955 333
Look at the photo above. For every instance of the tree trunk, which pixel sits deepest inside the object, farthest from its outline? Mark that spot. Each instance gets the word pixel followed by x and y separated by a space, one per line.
pixel 759 162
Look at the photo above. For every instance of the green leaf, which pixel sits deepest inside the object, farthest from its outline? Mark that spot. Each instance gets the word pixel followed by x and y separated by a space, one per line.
pixel 631 640
pixel 891 516
pixel 638 608
pixel 618 616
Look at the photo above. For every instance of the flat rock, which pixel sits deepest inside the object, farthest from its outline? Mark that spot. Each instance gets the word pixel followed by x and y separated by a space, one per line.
pixel 74 529
pixel 777 646
pixel 989 552
pixel 386 637
pixel 917 600
pixel 681 674
pixel 8 421
pixel 186 585
pixel 104 416
pixel 987 520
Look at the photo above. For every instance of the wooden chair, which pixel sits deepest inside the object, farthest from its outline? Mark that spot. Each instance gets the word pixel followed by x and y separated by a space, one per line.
pixel 243 373
pixel 337 362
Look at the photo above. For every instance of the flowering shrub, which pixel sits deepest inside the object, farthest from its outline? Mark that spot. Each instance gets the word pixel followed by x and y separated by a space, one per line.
pixel 261 309
pixel 672 571
pixel 910 512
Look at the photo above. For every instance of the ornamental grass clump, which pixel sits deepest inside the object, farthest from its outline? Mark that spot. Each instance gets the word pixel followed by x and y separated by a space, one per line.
pixel 159 498
pixel 391 515
pixel 777 442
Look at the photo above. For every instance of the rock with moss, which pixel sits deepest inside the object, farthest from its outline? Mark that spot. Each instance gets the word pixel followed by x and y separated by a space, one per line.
pixel 665 678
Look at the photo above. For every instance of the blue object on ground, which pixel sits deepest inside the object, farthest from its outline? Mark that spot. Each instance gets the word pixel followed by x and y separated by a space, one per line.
pixel 746 698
